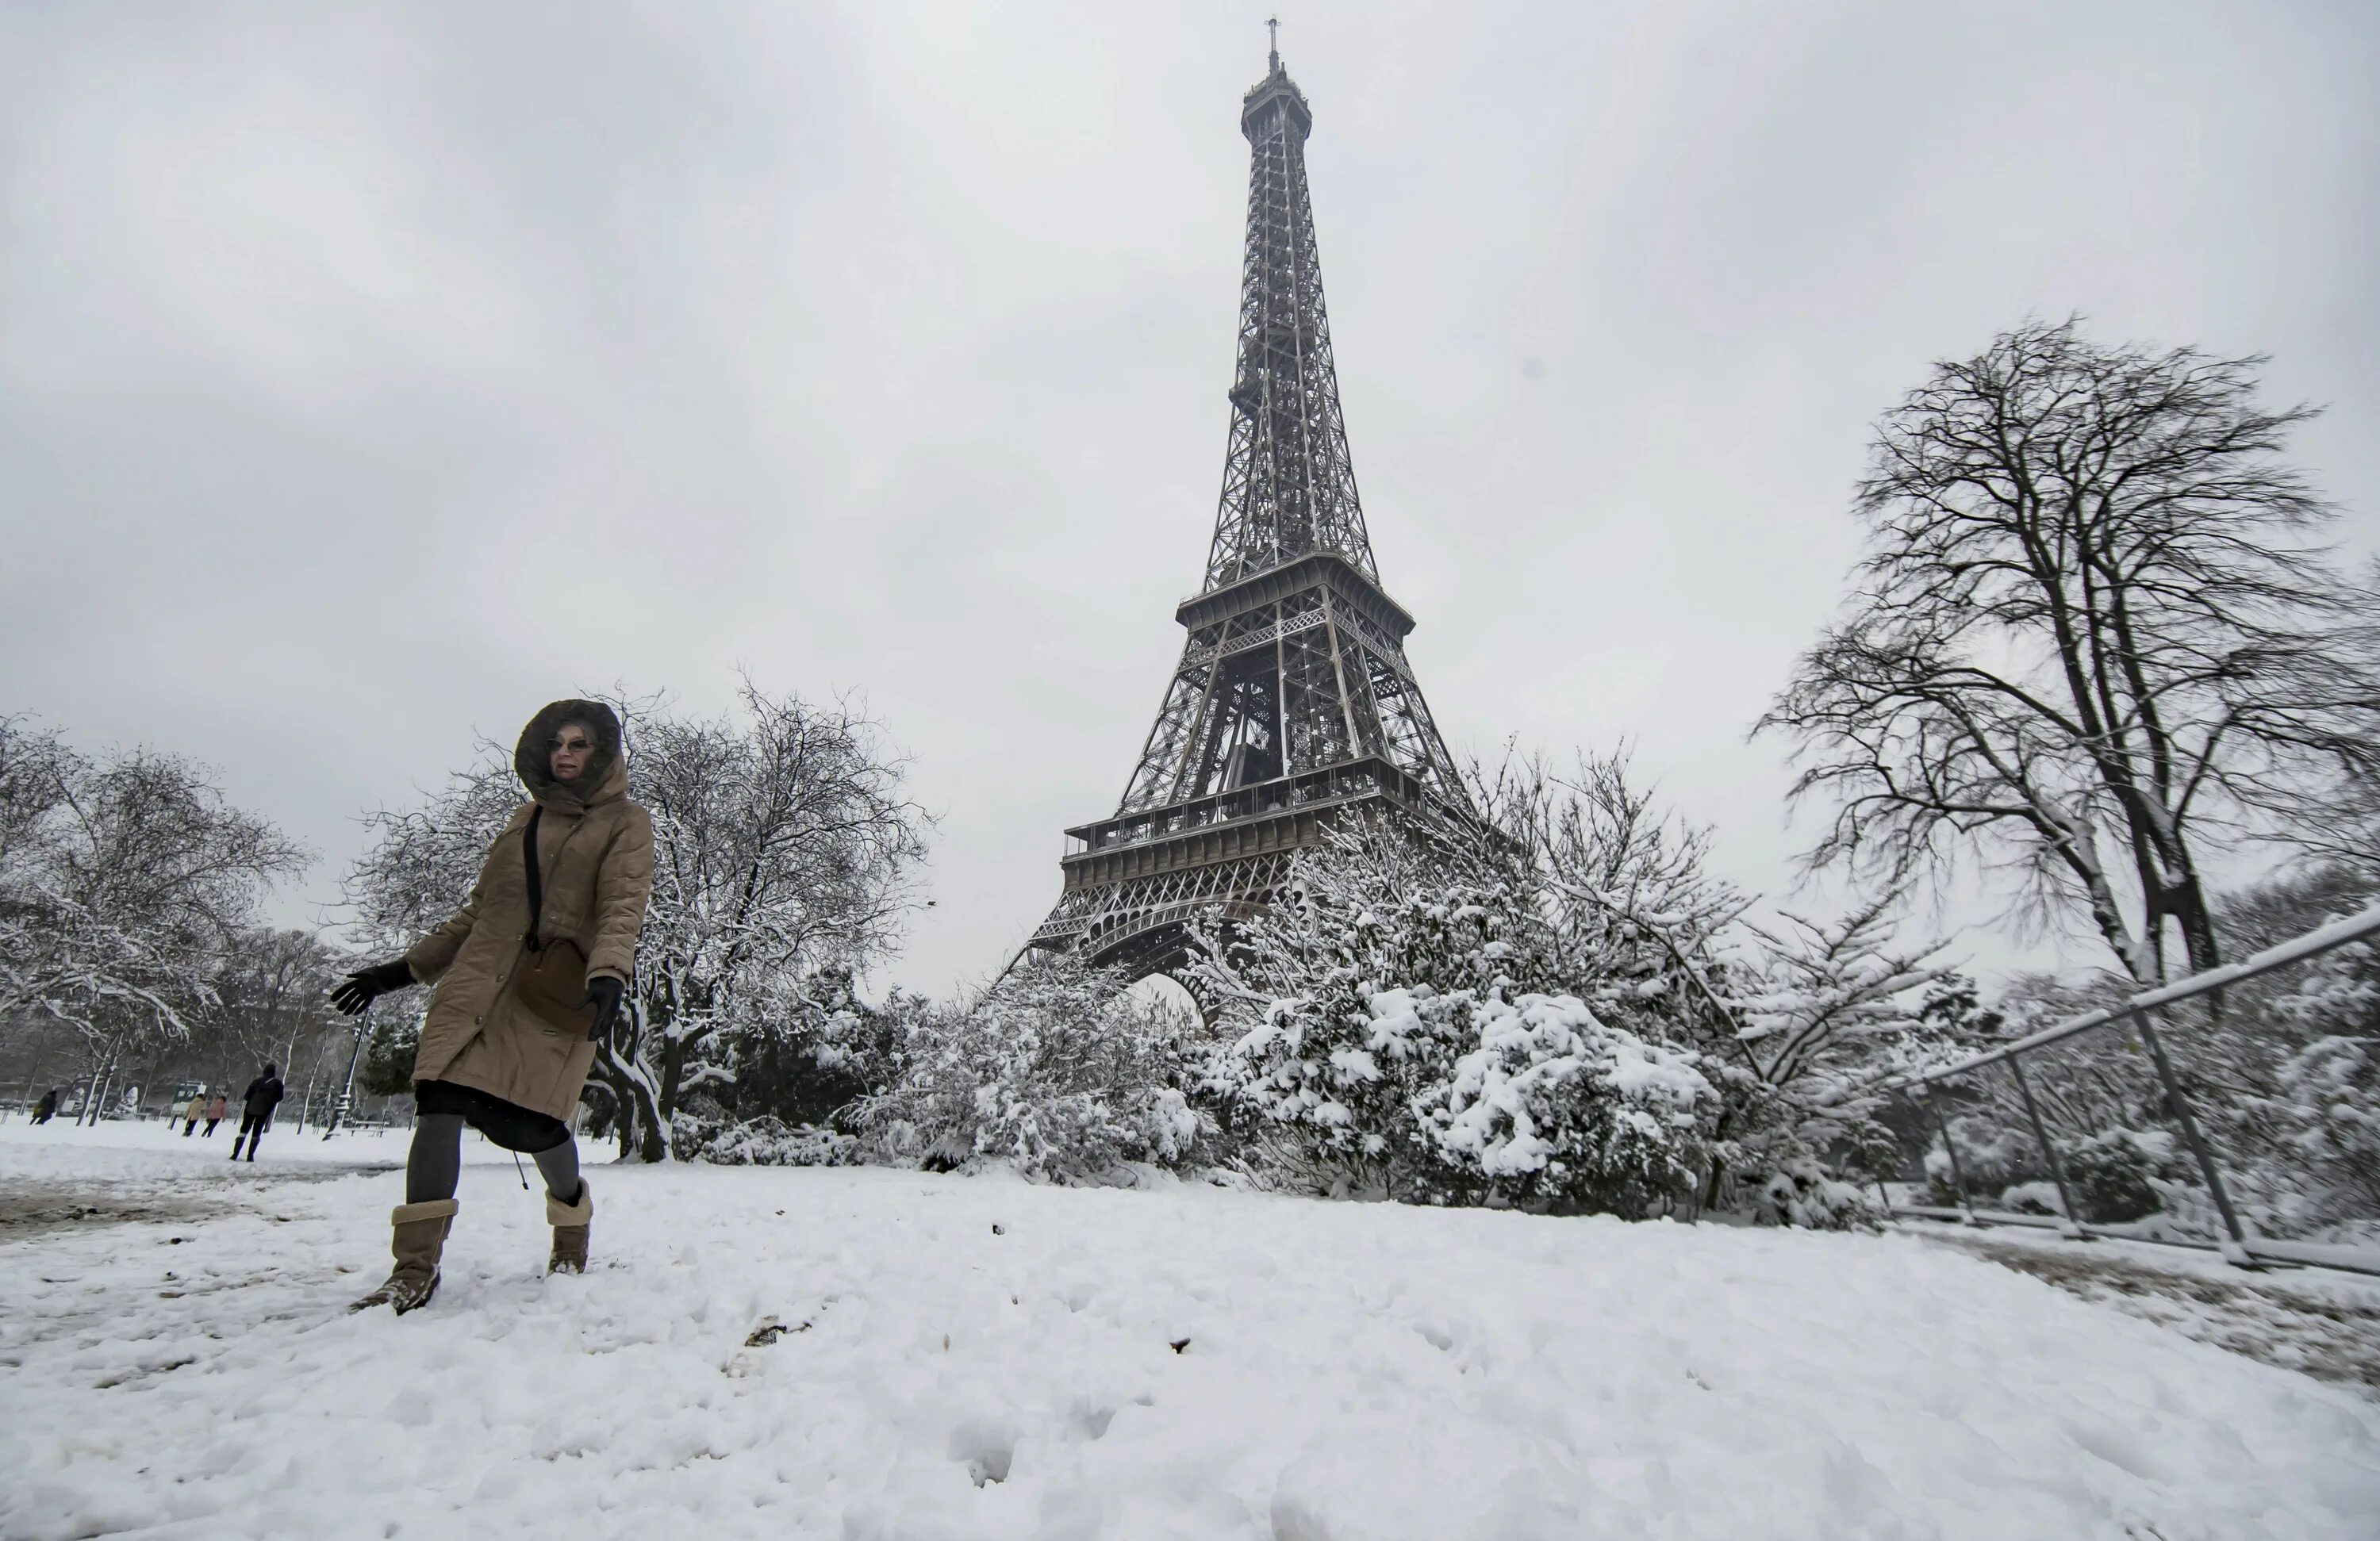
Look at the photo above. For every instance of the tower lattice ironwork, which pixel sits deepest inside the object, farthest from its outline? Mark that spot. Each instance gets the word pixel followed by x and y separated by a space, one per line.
pixel 1294 703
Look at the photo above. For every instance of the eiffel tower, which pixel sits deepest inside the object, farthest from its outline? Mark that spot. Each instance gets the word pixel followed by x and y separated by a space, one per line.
pixel 1293 705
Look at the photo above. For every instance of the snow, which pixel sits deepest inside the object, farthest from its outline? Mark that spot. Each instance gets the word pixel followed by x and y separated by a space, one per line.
pixel 2323 1321
pixel 861 1352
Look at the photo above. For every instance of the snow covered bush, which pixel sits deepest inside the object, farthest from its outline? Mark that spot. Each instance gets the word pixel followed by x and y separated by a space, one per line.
pixel 1552 1110
pixel 2113 1175
pixel 1797 1022
pixel 1823 1012
pixel 395 1035
pixel 1053 1071
pixel 1315 1044
pixel 2037 1197
pixel 1379 1032
pixel 1390 955
pixel 1801 1194
pixel 767 1142
pixel 2318 1115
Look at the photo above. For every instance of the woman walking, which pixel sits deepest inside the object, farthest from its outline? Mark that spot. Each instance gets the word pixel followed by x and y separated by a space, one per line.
pixel 529 972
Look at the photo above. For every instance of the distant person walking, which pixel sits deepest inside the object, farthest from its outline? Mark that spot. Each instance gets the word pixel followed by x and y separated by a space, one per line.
pixel 262 1096
pixel 191 1114
pixel 217 1105
pixel 47 1107
pixel 529 972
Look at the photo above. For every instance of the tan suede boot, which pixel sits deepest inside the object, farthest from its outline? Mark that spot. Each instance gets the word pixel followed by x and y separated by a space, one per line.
pixel 419 1236
pixel 570 1222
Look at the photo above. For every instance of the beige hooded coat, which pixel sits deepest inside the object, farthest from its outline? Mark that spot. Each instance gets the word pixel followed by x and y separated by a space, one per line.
pixel 595 856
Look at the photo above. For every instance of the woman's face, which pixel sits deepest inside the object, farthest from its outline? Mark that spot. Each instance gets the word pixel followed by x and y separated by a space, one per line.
pixel 573 747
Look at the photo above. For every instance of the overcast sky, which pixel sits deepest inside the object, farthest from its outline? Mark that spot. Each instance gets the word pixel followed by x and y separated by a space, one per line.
pixel 372 374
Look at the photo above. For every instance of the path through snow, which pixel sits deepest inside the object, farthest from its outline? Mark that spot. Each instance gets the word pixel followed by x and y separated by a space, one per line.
pixel 870 1354
pixel 2318 1320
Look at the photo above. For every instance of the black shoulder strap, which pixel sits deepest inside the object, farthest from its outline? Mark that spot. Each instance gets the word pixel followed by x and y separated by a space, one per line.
pixel 536 880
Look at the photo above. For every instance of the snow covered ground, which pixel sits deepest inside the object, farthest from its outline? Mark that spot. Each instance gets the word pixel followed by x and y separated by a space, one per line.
pixel 2319 1320
pixel 870 1354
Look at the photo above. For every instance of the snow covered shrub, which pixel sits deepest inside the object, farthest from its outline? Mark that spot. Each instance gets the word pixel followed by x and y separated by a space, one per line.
pixel 767 1142
pixel 1801 1195
pixel 2038 1198
pixel 1341 1063
pixel 1796 1022
pixel 388 1067
pixel 1553 1109
pixel 2113 1175
pixel 2333 1088
pixel 1992 1155
pixel 1823 1013
pixel 2315 1118
pixel 1378 1025
pixel 1941 1187
pixel 1053 1071
pixel 1391 955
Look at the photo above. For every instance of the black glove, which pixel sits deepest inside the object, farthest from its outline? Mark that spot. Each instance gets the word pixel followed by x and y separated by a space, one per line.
pixel 358 989
pixel 603 992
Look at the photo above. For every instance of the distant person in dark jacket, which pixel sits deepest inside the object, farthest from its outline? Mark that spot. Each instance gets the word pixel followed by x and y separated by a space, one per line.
pixel 262 1096
pixel 217 1106
pixel 47 1107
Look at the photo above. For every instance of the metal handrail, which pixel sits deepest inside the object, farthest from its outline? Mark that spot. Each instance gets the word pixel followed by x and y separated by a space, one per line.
pixel 2297 950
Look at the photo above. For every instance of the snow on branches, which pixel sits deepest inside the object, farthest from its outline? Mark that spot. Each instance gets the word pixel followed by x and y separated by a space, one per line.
pixel 1055 1071
pixel 125 883
pixel 1378 1022
pixel 1560 1008
pixel 1554 1110
pixel 785 851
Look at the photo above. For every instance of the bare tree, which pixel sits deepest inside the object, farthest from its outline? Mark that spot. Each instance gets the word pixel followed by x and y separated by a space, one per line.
pixel 2094 639
pixel 273 1003
pixel 784 848
pixel 422 860
pixel 124 881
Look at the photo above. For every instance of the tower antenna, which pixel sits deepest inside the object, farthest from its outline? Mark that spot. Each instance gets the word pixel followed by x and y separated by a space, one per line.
pixel 1272 40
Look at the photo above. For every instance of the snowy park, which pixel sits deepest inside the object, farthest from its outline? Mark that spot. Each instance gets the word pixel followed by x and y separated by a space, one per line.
pixel 1769 928
pixel 880 1353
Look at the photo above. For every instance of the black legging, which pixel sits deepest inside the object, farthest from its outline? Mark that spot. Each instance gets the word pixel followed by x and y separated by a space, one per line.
pixel 435 1162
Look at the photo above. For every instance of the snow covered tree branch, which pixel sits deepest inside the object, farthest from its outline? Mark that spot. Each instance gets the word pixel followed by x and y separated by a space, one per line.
pixel 125 881
pixel 2094 639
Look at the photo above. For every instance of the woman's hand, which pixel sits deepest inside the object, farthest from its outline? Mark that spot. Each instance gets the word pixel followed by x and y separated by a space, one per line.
pixel 604 991
pixel 360 988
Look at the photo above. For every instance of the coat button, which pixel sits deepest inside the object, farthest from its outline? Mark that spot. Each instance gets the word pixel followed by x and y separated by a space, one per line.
pixel 474 1022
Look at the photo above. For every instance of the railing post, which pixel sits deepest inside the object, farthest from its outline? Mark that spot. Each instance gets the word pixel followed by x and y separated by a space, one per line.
pixel 1958 1178
pixel 2235 1250
pixel 2041 1131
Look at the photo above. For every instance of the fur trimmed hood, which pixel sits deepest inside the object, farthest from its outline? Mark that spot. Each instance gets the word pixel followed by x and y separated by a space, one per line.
pixel 606 776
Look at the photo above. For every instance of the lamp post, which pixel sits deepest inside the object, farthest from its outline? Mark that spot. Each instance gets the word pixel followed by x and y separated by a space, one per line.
pixel 348 1089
